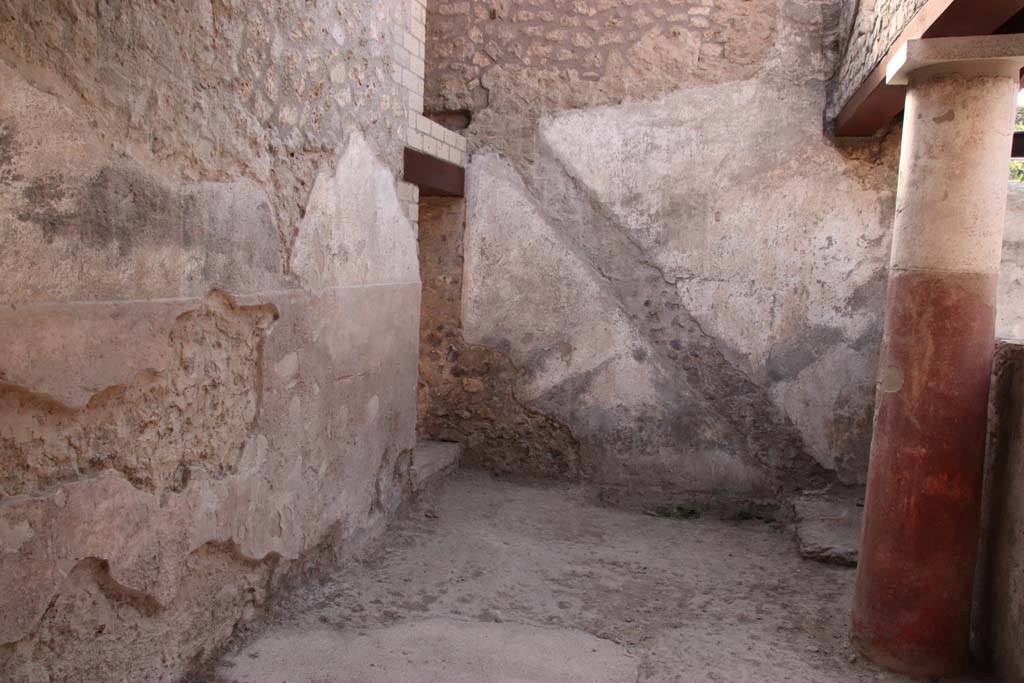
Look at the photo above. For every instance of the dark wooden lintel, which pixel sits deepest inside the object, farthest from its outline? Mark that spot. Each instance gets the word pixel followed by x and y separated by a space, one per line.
pixel 434 177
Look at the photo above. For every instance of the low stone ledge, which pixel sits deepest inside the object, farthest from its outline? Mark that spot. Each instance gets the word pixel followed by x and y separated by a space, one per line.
pixel 433 460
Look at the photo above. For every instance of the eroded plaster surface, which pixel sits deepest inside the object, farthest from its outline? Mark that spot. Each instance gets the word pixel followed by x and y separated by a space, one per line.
pixel 694 290
pixel 258 436
pixel 157 425
pixel 785 273
pixel 210 306
pixel 470 392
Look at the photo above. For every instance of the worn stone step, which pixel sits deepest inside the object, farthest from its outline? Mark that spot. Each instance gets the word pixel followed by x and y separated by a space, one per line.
pixel 828 529
pixel 432 460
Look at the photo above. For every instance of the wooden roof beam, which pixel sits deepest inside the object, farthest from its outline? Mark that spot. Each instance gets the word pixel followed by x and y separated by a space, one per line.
pixel 874 104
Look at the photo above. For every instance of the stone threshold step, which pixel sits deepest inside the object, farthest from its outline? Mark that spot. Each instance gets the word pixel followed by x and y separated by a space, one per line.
pixel 433 460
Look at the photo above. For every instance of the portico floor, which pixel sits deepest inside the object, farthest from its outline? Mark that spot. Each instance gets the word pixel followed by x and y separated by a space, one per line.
pixel 484 580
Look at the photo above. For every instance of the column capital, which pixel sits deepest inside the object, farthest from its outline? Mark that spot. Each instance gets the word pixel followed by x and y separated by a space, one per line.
pixel 1001 55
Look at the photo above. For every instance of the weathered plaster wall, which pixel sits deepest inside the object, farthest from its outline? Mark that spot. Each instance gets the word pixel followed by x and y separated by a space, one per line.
pixel 210 304
pixel 868 28
pixel 693 289
pixel 999 605
pixel 692 281
pixel 467 392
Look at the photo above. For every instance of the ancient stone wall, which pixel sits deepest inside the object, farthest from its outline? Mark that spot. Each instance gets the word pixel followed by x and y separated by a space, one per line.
pixel 868 29
pixel 467 392
pixel 685 271
pixel 210 303
pixel 999 603
pixel 502 63
pixel 691 286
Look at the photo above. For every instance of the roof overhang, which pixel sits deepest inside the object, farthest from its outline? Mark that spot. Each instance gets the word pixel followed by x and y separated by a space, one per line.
pixel 875 103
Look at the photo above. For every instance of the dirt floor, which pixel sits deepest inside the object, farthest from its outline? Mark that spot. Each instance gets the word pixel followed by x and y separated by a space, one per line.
pixel 483 580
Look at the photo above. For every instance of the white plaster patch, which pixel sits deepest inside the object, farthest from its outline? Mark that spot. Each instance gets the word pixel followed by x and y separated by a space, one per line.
pixel 516 262
pixel 734 210
pixel 776 242
pixel 336 245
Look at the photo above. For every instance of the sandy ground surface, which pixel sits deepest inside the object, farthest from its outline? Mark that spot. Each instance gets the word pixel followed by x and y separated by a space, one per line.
pixel 483 580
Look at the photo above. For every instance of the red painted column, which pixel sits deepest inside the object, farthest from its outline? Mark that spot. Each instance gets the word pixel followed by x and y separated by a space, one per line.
pixel 911 609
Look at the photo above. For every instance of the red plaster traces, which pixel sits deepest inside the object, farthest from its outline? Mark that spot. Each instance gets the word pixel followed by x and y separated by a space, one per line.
pixel 912 607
